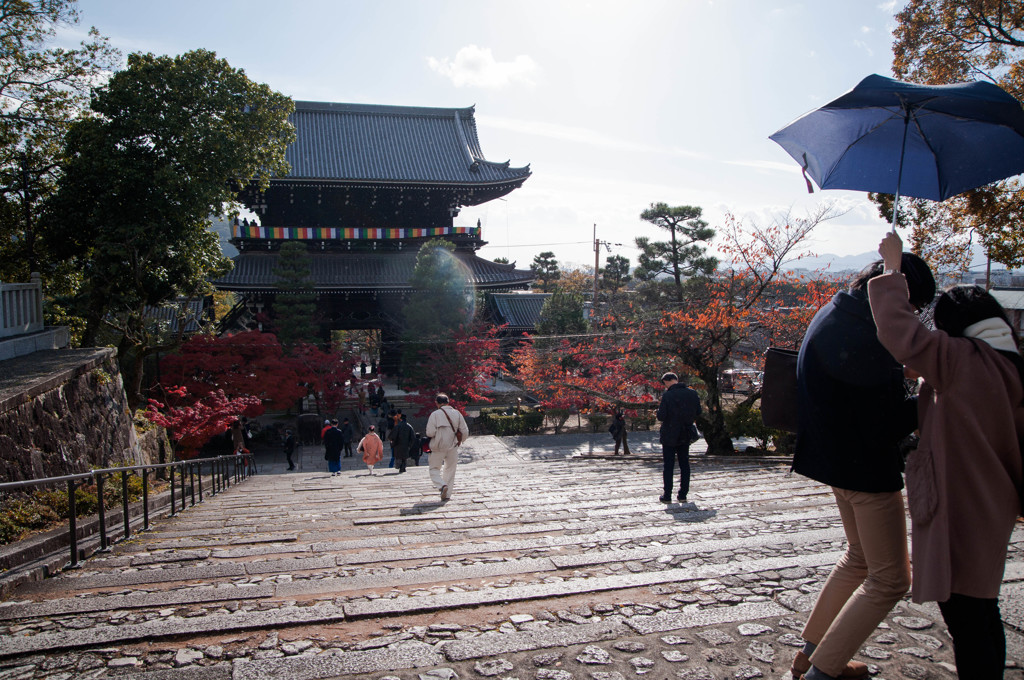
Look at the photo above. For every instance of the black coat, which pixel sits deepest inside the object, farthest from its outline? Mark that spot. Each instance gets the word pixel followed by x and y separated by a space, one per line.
pixel 853 406
pixel 402 439
pixel 334 442
pixel 678 409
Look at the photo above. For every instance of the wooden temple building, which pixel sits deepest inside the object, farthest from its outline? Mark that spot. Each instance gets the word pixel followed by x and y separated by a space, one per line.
pixel 368 186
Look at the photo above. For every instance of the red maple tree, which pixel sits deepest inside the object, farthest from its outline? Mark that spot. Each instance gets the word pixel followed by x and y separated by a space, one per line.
pixel 194 422
pixel 459 367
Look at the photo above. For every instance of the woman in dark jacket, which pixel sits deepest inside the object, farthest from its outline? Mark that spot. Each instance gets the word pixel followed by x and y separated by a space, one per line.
pixel 853 412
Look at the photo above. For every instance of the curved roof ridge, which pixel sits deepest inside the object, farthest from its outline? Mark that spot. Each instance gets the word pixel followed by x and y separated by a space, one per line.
pixel 384 109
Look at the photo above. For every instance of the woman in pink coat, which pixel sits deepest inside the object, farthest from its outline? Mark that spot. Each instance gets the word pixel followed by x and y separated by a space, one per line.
pixel 372 448
pixel 963 480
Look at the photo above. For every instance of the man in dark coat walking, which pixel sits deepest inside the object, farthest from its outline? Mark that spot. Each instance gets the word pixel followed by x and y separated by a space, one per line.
pixel 333 444
pixel 402 439
pixel 678 410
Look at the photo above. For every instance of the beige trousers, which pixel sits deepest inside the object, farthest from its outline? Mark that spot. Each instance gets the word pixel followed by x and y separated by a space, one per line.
pixel 866 582
pixel 446 476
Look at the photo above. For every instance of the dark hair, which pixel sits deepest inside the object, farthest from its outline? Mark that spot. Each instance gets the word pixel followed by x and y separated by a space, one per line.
pixel 334 421
pixel 441 398
pixel 669 376
pixel 961 306
pixel 919 278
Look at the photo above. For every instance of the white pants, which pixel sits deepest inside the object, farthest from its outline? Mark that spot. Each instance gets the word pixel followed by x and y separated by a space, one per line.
pixel 443 478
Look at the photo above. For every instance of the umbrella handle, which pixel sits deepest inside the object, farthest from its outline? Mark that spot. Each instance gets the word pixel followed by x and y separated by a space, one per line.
pixel 903 150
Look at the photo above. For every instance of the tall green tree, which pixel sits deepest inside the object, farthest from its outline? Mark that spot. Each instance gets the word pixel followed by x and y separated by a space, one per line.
pixel 562 314
pixel 683 254
pixel 295 304
pixel 947 41
pixel 441 303
pixel 545 268
pixel 615 274
pixel 42 90
pixel 171 142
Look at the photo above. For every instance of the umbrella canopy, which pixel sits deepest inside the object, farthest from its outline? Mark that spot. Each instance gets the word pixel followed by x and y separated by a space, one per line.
pixel 924 141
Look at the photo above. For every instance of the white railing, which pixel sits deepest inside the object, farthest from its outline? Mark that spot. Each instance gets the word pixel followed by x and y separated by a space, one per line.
pixel 21 307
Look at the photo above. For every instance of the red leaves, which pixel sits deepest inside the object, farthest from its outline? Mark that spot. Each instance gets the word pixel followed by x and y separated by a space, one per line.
pixel 457 367
pixel 193 425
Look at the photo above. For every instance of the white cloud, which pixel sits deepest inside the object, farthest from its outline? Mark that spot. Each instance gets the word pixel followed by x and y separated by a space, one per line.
pixel 476 67
pixel 864 46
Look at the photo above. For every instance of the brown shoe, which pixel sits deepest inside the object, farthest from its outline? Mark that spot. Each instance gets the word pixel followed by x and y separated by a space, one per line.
pixel 853 670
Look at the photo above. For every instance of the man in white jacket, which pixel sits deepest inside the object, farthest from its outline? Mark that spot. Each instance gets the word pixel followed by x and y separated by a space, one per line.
pixel 442 427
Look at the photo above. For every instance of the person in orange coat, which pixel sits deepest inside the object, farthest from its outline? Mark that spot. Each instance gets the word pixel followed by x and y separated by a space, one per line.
pixel 964 478
pixel 372 449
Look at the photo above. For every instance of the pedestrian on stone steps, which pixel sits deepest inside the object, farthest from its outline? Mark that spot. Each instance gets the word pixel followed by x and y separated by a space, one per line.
pixel 679 408
pixel 333 445
pixel 347 434
pixel 372 449
pixel 618 430
pixel 442 426
pixel 403 438
pixel 289 447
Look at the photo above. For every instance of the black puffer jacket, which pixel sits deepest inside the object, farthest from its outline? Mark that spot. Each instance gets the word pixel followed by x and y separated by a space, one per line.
pixel 852 403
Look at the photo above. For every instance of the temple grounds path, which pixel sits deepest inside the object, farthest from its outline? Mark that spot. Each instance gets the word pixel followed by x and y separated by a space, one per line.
pixel 552 560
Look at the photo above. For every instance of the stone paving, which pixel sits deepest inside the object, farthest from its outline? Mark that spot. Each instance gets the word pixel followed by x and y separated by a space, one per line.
pixel 551 561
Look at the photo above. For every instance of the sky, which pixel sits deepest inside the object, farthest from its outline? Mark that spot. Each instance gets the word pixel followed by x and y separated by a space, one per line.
pixel 614 105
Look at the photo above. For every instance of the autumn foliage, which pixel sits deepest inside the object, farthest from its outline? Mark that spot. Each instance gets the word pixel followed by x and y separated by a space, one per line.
pixel 218 379
pixel 192 422
pixel 459 367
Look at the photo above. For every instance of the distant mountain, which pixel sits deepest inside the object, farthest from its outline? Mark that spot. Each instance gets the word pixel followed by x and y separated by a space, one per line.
pixel 835 263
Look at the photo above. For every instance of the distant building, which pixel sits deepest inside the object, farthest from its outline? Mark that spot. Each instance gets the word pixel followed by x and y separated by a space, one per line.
pixel 368 186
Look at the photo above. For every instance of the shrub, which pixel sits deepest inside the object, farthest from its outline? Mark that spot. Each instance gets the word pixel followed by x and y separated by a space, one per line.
pixel 598 421
pixel 557 417
pixel 505 422
pixel 746 422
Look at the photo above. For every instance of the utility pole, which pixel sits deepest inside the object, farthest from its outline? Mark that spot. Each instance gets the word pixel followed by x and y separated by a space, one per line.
pixel 597 265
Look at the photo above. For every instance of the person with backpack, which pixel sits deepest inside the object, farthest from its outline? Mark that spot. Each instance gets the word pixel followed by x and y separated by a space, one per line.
pixel 447 430
pixel 853 411
pixel 964 480
pixel 618 432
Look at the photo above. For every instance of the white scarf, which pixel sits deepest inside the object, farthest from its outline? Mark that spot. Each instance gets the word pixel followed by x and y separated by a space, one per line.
pixel 995 332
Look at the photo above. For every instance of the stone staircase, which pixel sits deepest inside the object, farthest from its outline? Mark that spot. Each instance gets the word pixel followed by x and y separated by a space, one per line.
pixel 548 562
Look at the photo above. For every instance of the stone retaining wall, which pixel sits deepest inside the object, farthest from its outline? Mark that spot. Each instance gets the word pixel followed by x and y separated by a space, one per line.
pixel 74 417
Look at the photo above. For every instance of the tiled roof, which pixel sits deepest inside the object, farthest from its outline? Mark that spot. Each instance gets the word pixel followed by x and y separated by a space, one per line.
pixel 391 144
pixel 364 272
pixel 191 310
pixel 520 311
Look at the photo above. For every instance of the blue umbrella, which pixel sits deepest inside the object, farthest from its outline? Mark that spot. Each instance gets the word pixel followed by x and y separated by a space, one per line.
pixel 922 141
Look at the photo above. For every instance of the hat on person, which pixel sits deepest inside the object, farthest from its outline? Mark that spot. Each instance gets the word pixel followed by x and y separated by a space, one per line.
pixel 327 422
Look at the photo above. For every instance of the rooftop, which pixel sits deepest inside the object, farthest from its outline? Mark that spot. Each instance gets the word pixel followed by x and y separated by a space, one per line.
pixel 392 144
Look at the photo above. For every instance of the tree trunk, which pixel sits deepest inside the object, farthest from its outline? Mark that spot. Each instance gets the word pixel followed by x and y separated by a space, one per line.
pixel 712 420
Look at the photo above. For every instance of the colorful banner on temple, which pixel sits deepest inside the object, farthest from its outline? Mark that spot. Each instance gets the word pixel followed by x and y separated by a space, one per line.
pixel 344 233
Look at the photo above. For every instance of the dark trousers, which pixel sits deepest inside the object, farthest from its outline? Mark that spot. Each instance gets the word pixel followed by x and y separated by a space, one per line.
pixel 670 454
pixel 979 641
pixel 291 465
pixel 348 449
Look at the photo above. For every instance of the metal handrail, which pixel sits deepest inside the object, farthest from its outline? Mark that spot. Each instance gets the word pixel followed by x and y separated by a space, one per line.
pixel 222 474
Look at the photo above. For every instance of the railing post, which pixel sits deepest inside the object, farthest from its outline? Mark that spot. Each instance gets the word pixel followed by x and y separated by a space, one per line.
pixel 104 543
pixel 124 505
pixel 73 523
pixel 199 478
pixel 145 499
pixel 192 481
pixel 173 509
